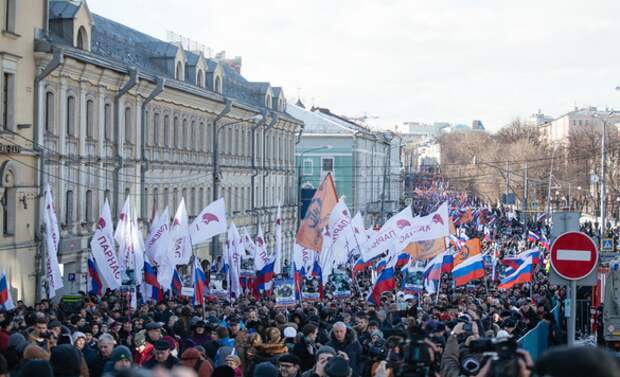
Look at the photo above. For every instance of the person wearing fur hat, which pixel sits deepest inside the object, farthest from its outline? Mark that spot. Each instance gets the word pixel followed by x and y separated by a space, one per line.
pixel 193 359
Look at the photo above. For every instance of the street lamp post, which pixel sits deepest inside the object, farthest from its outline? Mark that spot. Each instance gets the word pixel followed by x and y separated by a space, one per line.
pixel 299 174
pixel 216 167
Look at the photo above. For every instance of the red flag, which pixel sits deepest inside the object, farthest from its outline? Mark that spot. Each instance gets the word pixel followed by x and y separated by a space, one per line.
pixel 324 200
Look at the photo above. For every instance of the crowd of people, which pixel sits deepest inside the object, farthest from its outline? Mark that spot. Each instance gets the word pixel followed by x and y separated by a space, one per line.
pixel 465 331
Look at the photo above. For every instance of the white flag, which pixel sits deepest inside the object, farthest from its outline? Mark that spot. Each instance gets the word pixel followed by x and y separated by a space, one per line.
pixel 384 240
pixel 234 254
pixel 277 265
pixel 341 232
pixel 326 257
pixel 181 246
pixel 102 246
pixel 248 245
pixel 123 236
pixel 138 251
pixel 303 257
pixel 157 242
pixel 261 258
pixel 122 228
pixel 432 226
pixel 52 240
pixel 210 222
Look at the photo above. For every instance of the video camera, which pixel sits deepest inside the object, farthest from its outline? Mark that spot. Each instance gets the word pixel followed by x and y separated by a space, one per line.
pixel 416 356
pixel 503 355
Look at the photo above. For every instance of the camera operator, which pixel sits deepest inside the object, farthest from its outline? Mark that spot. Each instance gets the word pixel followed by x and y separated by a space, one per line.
pixel 456 360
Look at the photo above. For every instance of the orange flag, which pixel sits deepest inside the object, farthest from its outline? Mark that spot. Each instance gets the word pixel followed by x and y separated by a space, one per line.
pixel 324 200
pixel 421 250
pixel 471 248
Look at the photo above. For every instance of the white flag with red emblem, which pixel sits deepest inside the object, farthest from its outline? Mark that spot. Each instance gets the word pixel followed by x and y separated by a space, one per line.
pixel 210 222
pixel 52 240
pixel 430 227
pixel 341 230
pixel 385 239
pixel 181 245
pixel 102 246
pixel 277 265
pixel 235 252
pixel 158 240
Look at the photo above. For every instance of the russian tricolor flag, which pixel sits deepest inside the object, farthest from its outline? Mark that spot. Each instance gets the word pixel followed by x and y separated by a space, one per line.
pixel 402 260
pixel 360 265
pixel 150 279
pixel 532 237
pixel 522 275
pixel 544 241
pixel 264 277
pixel 534 253
pixel 95 287
pixel 5 295
pixel 434 267
pixel 385 282
pixel 470 269
pixel 448 262
pixel 200 283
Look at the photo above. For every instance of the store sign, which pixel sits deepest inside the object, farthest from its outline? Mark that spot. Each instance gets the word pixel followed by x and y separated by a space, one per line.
pixel 10 148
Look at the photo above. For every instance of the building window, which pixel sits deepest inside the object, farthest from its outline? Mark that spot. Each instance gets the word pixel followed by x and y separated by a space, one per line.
pixel 176 133
pixel 90 124
pixel 49 112
pixel 70 116
pixel 107 116
pixel 8 101
pixel 107 195
pixel 175 198
pixel 307 167
pixel 192 204
pixel 127 192
pixel 167 130
pixel 201 198
pixel 193 141
pixel 128 128
pixel 327 165
pixel 200 80
pixel 9 202
pixel 155 200
pixel 9 15
pixel 155 132
pixel 89 207
pixel 166 197
pixel 69 208
pixel 218 85
pixel 179 71
pixel 185 140
pixel 201 139
pixel 82 39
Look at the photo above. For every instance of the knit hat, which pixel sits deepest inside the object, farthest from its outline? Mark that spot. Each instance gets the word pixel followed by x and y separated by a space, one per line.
pixel 66 361
pixel 18 342
pixel 121 353
pixel 289 358
pixel 265 369
pixel 337 367
pixel 76 335
pixel 325 349
pixel 139 339
pixel 290 332
pixel 37 368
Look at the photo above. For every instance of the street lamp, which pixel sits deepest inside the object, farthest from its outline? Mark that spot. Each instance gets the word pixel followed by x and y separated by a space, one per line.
pixel 299 171
pixel 215 157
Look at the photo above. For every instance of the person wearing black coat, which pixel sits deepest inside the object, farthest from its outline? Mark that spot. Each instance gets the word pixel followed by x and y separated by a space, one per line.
pixel 305 347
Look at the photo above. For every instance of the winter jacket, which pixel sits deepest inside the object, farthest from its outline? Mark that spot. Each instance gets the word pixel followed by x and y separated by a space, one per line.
pixel 352 347
pixel 170 363
pixel 450 362
pixel 306 353
pixel 192 358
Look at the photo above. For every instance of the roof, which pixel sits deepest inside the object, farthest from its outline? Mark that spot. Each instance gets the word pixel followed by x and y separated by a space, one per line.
pixel 118 43
pixel 314 122
pixel 60 10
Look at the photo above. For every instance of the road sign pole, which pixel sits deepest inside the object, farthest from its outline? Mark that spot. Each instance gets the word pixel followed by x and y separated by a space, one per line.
pixel 573 312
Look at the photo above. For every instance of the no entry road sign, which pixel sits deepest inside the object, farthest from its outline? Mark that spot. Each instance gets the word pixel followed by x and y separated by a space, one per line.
pixel 574 255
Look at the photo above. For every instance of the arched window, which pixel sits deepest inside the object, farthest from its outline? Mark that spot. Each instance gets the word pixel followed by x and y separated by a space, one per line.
pixel 107 117
pixel 192 204
pixel 202 145
pixel 179 71
pixel 201 198
pixel 147 131
pixel 166 197
pixel 82 39
pixel 49 112
pixel 69 207
pixel 185 140
pixel 218 85
pixel 128 126
pixel 193 141
pixel 175 198
pixel 70 116
pixel 156 199
pixel 200 80
pixel 88 216
pixel 156 125
pixel 90 121
pixel 176 132
pixel 167 130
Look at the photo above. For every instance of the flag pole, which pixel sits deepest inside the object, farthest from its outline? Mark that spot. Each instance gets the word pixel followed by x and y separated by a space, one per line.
pixel 438 288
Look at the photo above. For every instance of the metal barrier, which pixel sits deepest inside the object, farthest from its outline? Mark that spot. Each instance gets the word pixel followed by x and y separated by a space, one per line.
pixel 536 341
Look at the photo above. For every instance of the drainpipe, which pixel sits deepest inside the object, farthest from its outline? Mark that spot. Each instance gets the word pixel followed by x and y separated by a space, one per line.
pixel 354 168
pixel 254 167
pixel 132 82
pixel 274 119
pixel 216 179
pixel 160 83
pixel 57 60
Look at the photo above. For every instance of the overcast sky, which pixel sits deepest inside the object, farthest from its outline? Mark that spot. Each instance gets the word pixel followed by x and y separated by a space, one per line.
pixel 406 60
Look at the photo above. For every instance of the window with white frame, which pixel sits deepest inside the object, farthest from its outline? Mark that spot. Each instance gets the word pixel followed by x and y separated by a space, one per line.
pixel 10 12
pixel 327 165
pixel 308 167
pixel 8 100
